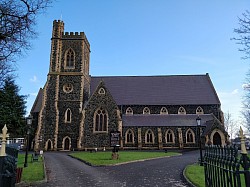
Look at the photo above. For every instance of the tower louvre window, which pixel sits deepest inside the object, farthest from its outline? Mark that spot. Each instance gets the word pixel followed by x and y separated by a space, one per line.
pixel 70 59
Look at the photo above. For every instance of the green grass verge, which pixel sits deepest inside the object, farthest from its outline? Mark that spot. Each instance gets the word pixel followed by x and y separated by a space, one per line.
pixel 195 174
pixel 34 171
pixel 104 158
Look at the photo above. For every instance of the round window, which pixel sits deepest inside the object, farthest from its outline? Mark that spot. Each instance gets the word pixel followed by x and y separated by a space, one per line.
pixel 67 87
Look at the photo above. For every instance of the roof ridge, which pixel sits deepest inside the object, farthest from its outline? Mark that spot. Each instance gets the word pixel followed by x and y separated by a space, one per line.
pixel 107 76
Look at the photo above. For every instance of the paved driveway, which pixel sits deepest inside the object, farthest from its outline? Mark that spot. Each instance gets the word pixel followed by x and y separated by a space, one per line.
pixel 64 171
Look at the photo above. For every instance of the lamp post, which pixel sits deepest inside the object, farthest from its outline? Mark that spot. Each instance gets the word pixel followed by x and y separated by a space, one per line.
pixel 198 120
pixel 29 122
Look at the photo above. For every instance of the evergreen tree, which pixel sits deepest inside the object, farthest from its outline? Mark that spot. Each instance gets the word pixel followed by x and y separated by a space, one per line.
pixel 12 109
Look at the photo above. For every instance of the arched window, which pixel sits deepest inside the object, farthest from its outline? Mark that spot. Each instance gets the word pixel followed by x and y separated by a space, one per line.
pixel 70 59
pixel 190 136
pixel 129 137
pixel 101 120
pixel 149 137
pixel 129 110
pixel 169 136
pixel 164 110
pixel 199 110
pixel 68 114
pixel 146 110
pixel 181 110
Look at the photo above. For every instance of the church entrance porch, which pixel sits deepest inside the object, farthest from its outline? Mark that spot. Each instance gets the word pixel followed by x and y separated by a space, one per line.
pixel 66 143
pixel 217 139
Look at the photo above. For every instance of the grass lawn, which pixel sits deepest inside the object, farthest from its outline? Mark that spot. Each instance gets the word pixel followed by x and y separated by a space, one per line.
pixel 104 158
pixel 34 171
pixel 195 174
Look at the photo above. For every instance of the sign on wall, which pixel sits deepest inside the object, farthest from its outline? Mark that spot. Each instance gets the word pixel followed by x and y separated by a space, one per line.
pixel 115 138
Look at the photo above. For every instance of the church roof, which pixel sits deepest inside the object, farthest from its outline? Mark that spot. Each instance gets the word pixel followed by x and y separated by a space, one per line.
pixel 159 90
pixel 38 102
pixel 157 120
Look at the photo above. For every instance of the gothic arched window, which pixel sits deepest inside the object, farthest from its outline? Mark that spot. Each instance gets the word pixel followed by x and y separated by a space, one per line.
pixel 169 136
pixel 68 114
pixel 181 110
pixel 199 110
pixel 190 136
pixel 149 137
pixel 164 110
pixel 146 110
pixel 101 120
pixel 129 110
pixel 70 59
pixel 129 136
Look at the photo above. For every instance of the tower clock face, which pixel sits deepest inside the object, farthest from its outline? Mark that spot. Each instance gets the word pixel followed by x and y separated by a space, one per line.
pixel 68 87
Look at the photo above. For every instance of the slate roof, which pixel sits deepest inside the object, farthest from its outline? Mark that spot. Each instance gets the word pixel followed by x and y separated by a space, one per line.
pixel 38 102
pixel 159 90
pixel 156 120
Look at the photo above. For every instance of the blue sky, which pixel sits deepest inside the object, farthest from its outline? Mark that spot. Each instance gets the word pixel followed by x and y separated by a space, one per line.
pixel 147 37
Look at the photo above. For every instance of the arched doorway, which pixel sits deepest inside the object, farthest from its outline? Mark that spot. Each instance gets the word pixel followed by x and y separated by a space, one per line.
pixel 217 139
pixel 66 143
pixel 48 145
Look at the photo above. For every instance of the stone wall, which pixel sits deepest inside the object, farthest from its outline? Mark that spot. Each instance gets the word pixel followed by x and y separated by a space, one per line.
pixel 94 139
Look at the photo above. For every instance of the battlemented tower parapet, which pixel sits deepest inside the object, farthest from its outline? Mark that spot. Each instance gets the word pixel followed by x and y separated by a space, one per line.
pixel 58 29
pixel 76 36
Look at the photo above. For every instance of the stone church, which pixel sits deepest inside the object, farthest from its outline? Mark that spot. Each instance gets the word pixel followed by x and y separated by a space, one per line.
pixel 77 111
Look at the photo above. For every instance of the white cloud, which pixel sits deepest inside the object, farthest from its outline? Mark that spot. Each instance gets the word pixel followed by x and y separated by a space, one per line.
pixel 234 92
pixel 34 79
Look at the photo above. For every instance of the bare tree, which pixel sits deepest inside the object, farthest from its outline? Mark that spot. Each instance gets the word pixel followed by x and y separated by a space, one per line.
pixel 246 115
pixel 17 21
pixel 244 34
pixel 246 103
pixel 230 124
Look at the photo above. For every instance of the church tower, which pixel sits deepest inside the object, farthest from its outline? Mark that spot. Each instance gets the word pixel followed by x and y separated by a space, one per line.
pixel 65 92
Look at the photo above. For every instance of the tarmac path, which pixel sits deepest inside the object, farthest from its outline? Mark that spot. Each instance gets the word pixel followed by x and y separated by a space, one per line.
pixel 64 171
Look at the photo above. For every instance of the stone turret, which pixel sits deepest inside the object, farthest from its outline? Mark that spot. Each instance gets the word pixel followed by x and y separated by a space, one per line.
pixel 58 29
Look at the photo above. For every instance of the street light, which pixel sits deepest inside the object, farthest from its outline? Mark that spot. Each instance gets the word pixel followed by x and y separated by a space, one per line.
pixel 198 120
pixel 29 122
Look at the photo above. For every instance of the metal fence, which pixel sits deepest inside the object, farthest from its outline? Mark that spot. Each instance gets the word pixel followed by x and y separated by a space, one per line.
pixel 8 166
pixel 224 167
